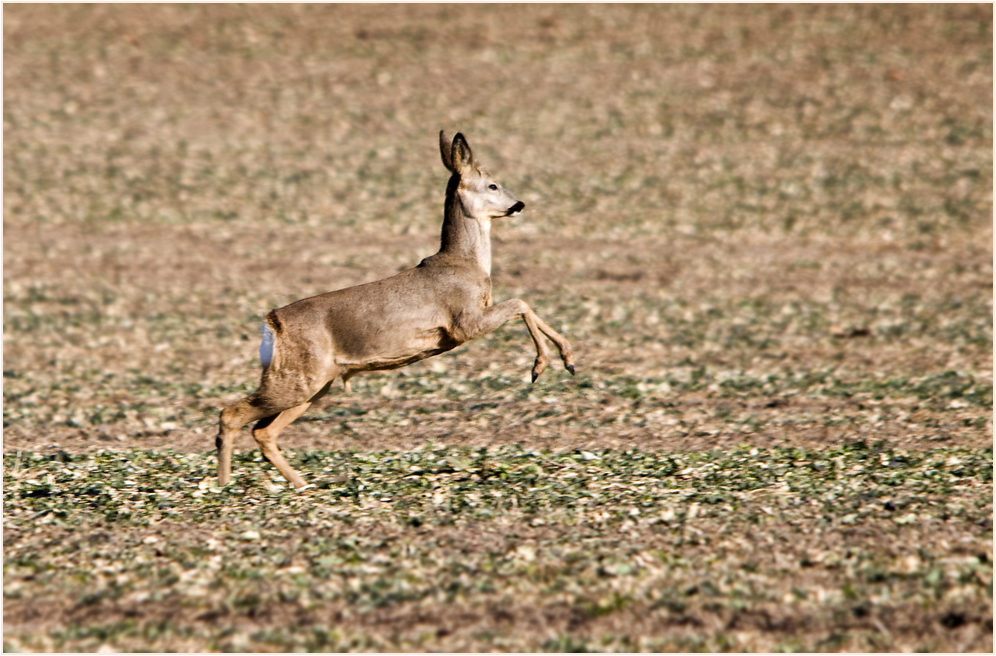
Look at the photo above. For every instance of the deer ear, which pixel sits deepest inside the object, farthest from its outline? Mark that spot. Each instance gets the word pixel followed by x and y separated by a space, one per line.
pixel 461 156
pixel 446 151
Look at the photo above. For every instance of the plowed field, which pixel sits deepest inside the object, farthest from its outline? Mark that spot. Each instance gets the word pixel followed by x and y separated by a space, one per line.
pixel 767 230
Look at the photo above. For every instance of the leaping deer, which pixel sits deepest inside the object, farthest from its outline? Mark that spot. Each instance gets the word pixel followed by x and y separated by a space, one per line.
pixel 416 314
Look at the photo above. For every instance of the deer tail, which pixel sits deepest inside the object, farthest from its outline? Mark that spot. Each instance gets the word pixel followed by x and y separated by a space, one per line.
pixel 270 329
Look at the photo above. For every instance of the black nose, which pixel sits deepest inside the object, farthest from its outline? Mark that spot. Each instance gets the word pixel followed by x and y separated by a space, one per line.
pixel 515 209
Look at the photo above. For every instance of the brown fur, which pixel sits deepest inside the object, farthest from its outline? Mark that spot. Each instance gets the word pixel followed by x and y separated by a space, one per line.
pixel 416 314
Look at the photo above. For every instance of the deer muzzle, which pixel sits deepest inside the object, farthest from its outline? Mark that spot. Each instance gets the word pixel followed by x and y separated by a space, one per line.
pixel 515 209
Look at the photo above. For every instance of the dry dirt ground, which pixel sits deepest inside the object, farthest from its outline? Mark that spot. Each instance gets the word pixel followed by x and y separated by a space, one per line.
pixel 766 229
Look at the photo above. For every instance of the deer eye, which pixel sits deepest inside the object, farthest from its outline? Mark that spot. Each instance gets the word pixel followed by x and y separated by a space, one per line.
pixel 493 187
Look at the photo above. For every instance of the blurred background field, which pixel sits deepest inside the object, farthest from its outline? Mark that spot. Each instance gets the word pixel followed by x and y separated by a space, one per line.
pixel 761 226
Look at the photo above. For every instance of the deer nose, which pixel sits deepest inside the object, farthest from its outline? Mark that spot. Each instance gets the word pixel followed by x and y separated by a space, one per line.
pixel 515 209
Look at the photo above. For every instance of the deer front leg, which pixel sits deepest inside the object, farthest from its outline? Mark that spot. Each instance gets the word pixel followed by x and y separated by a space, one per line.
pixel 496 315
pixel 566 352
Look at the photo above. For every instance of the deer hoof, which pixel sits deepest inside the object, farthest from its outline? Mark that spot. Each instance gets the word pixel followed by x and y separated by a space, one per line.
pixel 539 366
pixel 570 368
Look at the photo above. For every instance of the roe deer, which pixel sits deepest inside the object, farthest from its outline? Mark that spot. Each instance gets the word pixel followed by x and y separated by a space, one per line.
pixel 416 314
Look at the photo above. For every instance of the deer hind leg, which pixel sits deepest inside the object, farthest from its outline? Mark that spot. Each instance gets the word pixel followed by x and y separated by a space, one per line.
pixel 268 430
pixel 231 420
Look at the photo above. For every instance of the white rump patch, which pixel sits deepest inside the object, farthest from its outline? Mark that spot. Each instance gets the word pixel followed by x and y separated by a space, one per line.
pixel 266 346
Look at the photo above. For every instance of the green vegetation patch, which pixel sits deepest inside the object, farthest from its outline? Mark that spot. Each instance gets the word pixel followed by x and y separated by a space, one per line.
pixel 121 542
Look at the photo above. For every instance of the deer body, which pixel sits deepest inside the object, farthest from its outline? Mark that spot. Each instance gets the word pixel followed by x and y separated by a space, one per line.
pixel 418 313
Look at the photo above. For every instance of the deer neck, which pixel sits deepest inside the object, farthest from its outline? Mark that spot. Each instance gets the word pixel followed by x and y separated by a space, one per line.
pixel 464 236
